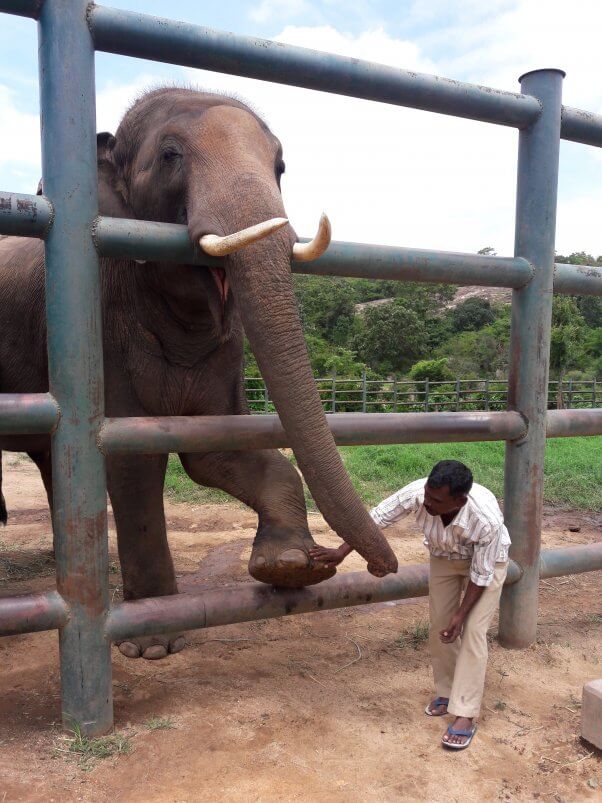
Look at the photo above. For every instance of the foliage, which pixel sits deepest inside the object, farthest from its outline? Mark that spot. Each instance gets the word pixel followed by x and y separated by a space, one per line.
pixel 393 337
pixel 472 314
pixel 567 337
pixel 433 370
pixel 481 353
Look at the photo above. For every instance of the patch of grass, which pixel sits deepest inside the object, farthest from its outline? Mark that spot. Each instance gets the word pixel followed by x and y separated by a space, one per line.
pixel 180 488
pixel 573 471
pixel 160 723
pixel 87 750
pixel 414 636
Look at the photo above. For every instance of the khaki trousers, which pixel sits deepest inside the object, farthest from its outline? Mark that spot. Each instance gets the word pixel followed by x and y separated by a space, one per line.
pixel 459 668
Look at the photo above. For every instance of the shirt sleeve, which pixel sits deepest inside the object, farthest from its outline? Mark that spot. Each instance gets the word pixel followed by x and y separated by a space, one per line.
pixel 395 507
pixel 486 551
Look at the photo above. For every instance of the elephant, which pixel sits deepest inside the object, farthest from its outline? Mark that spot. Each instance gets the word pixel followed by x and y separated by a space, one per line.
pixel 173 342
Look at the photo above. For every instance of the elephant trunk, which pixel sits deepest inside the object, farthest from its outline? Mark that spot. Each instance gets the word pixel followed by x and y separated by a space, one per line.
pixel 260 277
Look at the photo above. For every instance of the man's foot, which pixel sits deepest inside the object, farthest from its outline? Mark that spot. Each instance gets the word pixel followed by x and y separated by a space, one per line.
pixel 437 707
pixel 460 733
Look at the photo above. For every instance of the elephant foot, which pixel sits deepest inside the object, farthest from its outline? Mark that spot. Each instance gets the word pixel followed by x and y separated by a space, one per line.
pixel 281 558
pixel 152 647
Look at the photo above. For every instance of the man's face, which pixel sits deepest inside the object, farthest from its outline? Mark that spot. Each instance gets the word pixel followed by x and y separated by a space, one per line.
pixel 439 501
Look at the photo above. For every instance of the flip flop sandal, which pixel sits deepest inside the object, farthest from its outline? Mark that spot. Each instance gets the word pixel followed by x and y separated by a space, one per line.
pixel 453 732
pixel 436 703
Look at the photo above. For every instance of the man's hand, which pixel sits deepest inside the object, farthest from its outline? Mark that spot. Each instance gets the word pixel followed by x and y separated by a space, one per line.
pixel 453 630
pixel 330 557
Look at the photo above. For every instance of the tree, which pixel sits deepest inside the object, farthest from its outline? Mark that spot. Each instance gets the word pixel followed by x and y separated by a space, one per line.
pixel 326 305
pixel 566 340
pixel 591 309
pixel 472 314
pixel 488 251
pixel 393 336
pixel 433 370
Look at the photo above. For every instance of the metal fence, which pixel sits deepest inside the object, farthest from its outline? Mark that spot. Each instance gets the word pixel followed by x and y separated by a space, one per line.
pixel 67 219
pixel 363 395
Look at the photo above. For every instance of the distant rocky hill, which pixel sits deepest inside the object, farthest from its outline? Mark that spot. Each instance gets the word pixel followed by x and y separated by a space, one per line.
pixel 495 295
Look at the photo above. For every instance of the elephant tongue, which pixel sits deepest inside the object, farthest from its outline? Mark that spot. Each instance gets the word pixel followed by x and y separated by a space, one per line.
pixel 221 280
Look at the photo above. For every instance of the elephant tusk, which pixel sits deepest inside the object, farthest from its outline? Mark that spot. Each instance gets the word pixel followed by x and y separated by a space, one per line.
pixel 305 252
pixel 217 246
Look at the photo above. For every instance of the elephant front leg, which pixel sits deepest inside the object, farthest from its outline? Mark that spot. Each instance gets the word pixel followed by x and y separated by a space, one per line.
pixel 266 481
pixel 135 485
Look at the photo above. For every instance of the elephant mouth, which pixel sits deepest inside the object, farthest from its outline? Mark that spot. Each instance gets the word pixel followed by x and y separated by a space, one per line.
pixel 222 284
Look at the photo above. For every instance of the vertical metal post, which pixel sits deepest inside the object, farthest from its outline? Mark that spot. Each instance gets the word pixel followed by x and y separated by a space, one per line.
pixel 457 395
pixel 364 391
pixel 334 392
pixel 487 394
pixel 395 393
pixel 570 393
pixel 530 351
pixel 594 394
pixel 426 395
pixel 75 360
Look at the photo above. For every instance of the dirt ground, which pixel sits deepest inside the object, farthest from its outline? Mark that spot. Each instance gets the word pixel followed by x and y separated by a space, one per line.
pixel 320 707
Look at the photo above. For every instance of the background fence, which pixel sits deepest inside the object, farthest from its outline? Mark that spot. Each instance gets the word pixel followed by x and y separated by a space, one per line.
pixel 363 395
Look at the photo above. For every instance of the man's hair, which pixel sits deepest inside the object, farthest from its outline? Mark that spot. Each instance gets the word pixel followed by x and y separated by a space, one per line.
pixel 452 473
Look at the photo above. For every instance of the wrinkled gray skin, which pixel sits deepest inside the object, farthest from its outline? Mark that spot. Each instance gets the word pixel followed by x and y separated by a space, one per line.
pixel 173 340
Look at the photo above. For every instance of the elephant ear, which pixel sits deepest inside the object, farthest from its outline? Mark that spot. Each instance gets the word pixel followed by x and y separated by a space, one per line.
pixel 111 200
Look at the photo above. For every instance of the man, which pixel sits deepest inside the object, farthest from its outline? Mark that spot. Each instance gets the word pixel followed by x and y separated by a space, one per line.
pixel 464 531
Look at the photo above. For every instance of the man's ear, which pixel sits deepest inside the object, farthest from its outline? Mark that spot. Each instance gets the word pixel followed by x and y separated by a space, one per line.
pixel 111 200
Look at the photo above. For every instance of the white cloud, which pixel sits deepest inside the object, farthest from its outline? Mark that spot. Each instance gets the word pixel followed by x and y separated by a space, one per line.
pixel 19 144
pixel 269 10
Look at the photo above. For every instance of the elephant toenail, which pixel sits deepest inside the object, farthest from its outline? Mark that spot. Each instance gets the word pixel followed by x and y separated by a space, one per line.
pixel 155 652
pixel 293 559
pixel 177 644
pixel 259 562
pixel 129 649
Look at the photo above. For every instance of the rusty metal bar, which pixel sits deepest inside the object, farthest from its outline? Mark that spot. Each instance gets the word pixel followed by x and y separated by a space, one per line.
pixel 574 423
pixel 129 33
pixel 28 413
pixel 169 242
pixel 571 560
pixel 31 613
pixel 580 126
pixel 578 280
pixel 216 433
pixel 536 202
pixel 22 8
pixel 75 363
pixel 25 215
pixel 245 603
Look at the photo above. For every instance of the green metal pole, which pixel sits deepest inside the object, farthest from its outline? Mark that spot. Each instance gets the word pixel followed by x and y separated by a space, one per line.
pixel 75 360
pixel 530 350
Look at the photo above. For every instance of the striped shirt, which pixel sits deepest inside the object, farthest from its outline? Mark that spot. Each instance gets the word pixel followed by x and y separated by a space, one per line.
pixel 477 532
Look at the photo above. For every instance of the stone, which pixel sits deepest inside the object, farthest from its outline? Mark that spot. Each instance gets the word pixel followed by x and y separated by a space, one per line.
pixel 591 713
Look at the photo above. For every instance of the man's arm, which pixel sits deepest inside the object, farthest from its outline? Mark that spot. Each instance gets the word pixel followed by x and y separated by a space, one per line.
pixel 384 514
pixel 454 629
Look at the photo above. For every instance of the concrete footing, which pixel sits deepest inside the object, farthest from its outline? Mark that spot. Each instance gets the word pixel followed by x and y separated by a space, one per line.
pixel 591 713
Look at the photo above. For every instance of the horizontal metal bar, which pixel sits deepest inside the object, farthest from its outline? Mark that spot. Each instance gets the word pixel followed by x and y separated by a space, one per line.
pixel 572 423
pixel 580 126
pixel 132 34
pixel 216 433
pixel 245 603
pixel 22 8
pixel 25 215
pixel 30 613
pixel 570 560
pixel 578 280
pixel 143 239
pixel 28 413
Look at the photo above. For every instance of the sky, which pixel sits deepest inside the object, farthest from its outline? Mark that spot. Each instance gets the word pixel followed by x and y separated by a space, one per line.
pixel 383 174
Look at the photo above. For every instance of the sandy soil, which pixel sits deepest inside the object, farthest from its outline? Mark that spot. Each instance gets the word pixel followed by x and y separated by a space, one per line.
pixel 320 707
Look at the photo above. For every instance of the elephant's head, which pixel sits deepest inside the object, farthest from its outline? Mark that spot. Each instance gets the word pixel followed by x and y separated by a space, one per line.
pixel 181 156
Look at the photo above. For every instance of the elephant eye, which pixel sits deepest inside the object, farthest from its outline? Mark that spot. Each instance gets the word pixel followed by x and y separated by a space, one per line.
pixel 170 155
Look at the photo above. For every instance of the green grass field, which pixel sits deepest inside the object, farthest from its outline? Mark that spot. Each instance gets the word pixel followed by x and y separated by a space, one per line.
pixel 573 470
